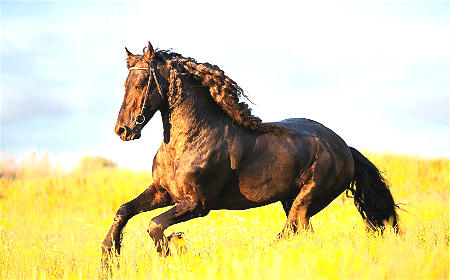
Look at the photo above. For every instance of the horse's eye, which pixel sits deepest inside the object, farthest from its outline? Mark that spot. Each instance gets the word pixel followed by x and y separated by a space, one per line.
pixel 142 82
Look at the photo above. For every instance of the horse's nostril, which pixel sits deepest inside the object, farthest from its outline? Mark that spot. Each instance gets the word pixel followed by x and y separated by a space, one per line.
pixel 121 130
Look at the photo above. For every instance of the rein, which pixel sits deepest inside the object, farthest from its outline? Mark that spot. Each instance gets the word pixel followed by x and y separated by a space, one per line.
pixel 140 118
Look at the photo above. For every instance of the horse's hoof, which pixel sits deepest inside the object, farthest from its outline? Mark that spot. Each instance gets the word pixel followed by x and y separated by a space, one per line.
pixel 176 243
pixel 106 271
pixel 175 236
pixel 106 257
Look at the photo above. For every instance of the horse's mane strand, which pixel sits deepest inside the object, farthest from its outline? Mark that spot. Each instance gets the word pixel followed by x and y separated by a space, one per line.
pixel 224 91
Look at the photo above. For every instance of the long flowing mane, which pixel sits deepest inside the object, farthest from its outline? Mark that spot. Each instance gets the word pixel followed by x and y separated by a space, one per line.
pixel 223 90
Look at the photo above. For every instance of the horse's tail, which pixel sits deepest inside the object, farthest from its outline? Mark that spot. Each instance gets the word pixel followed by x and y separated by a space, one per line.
pixel 372 197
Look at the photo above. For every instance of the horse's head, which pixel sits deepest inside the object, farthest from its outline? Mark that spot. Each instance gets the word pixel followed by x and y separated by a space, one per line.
pixel 143 95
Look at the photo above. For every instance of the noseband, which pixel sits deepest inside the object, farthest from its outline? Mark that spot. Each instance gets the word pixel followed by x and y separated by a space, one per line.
pixel 140 118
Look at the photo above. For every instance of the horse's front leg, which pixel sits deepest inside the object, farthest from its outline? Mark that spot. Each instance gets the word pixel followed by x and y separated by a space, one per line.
pixel 153 197
pixel 185 210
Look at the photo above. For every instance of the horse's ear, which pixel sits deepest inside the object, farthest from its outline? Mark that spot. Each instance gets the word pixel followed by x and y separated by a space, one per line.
pixel 128 52
pixel 149 53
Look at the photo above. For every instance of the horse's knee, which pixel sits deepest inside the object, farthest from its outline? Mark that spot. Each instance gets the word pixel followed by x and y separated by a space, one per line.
pixel 123 213
pixel 203 211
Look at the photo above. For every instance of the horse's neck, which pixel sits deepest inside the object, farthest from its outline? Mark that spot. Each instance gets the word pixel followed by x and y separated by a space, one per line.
pixel 197 116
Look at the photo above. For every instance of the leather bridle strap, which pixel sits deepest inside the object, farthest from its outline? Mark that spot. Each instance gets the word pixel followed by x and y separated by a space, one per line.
pixel 152 73
pixel 140 118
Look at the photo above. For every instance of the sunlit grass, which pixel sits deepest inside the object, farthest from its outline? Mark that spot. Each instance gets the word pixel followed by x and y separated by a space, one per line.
pixel 52 227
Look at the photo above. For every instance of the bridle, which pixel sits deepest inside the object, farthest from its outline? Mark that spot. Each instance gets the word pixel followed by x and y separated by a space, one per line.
pixel 140 118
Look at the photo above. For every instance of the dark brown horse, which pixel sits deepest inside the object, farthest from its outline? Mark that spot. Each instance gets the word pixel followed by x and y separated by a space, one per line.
pixel 217 155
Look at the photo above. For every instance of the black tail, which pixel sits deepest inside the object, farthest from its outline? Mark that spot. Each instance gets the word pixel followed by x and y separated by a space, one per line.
pixel 371 193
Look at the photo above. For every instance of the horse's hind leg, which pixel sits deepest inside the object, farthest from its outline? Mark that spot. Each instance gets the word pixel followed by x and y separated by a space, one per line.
pixel 153 197
pixel 297 213
pixel 287 205
pixel 319 186
pixel 322 187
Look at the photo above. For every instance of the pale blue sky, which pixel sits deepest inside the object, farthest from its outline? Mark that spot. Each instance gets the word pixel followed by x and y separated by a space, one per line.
pixel 377 73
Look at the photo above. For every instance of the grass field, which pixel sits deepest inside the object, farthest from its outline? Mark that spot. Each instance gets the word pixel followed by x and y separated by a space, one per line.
pixel 52 225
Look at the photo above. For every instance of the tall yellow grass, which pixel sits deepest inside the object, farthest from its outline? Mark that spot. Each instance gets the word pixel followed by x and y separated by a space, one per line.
pixel 52 225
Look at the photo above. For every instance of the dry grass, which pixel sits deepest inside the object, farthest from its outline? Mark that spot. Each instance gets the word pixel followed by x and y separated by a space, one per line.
pixel 51 226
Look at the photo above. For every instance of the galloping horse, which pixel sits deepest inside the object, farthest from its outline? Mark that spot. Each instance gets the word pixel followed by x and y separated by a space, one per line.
pixel 217 155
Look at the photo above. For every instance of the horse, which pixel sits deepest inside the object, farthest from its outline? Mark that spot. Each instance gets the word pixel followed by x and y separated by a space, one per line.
pixel 216 155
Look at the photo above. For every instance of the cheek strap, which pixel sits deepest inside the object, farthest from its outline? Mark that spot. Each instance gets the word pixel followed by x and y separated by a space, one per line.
pixel 165 114
pixel 140 118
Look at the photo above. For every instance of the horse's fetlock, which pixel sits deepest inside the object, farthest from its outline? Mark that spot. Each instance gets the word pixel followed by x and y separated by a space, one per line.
pixel 154 229
pixel 106 246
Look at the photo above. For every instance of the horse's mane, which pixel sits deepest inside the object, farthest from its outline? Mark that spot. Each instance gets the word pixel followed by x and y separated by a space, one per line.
pixel 223 90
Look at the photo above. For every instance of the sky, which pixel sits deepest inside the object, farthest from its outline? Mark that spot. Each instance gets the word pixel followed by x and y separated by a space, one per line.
pixel 375 72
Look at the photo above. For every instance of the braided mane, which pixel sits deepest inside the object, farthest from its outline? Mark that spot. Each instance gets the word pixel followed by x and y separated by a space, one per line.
pixel 224 91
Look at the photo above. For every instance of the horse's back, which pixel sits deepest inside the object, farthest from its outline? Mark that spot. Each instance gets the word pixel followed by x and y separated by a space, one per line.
pixel 309 128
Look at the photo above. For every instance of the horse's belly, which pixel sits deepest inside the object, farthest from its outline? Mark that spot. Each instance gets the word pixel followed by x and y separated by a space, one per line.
pixel 269 173
pixel 243 194
pixel 261 189
pixel 232 197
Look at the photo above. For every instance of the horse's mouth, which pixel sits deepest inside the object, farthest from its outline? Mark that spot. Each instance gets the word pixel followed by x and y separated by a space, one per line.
pixel 130 137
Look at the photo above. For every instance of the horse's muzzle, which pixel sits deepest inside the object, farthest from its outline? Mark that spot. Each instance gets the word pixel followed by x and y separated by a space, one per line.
pixel 127 134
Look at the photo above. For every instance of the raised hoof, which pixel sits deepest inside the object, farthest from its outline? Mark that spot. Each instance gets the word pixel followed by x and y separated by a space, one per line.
pixel 176 244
